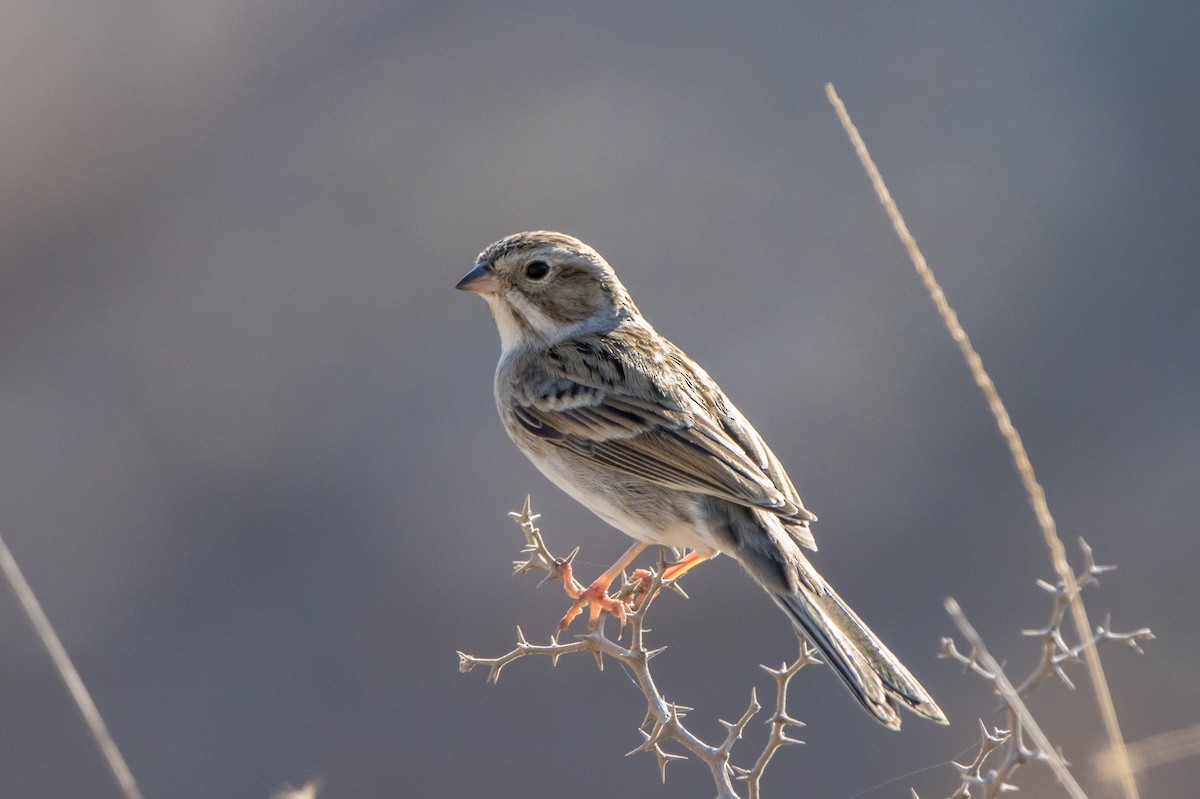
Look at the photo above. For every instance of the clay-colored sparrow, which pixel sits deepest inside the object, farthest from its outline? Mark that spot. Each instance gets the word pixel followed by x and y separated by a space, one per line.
pixel 627 424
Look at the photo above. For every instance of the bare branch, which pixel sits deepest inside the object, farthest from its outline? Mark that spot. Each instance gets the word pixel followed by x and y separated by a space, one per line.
pixel 1005 751
pixel 663 724
pixel 780 720
pixel 1015 704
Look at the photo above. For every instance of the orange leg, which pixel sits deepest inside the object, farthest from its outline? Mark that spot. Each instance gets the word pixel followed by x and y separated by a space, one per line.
pixel 686 563
pixel 678 568
pixel 596 594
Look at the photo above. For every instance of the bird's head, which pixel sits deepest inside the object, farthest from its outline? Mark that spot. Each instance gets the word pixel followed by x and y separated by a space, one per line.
pixel 543 286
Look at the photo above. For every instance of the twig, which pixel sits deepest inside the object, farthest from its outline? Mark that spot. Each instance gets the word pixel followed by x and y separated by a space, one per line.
pixel 1008 745
pixel 664 719
pixel 1011 698
pixel 1034 490
pixel 66 669
pixel 780 720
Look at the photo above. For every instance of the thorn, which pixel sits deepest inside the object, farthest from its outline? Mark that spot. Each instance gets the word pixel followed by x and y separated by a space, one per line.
pixel 1062 756
pixel 772 671
pixel 677 588
pixel 644 746
pixel 985 735
pixel 1026 752
pixel 664 758
pixel 1090 561
pixel 569 559
pixel 521 637
pixel 653 653
pixel 679 711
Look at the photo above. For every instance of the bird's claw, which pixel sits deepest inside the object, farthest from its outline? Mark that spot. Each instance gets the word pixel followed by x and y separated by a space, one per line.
pixel 596 596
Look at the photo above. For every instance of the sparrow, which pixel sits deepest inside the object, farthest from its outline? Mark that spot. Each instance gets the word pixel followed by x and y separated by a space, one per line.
pixel 628 425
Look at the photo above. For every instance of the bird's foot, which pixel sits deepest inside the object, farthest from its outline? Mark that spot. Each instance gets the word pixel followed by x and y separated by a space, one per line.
pixel 595 597
pixel 643 578
pixel 638 587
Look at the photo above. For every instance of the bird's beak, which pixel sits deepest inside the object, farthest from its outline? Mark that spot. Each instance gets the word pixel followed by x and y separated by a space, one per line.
pixel 482 280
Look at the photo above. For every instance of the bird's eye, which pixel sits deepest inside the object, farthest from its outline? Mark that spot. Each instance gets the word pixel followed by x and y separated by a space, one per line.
pixel 536 270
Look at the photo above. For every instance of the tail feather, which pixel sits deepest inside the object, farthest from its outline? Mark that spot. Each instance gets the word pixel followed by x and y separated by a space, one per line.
pixel 873 674
pixel 770 552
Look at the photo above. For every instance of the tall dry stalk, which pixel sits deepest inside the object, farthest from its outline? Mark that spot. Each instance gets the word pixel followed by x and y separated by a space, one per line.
pixel 66 669
pixel 1034 490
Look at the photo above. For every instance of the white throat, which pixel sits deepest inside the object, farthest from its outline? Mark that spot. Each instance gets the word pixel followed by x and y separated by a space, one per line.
pixel 539 329
pixel 512 334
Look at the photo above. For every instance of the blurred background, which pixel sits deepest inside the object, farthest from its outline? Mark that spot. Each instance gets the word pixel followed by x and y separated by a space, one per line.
pixel 249 457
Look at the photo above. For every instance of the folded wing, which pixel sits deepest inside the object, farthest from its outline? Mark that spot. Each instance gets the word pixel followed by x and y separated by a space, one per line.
pixel 601 398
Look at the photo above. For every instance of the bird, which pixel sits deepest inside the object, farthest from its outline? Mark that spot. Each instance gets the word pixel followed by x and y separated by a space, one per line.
pixel 627 424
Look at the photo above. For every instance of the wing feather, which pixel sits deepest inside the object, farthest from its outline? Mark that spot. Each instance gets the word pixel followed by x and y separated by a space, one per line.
pixel 606 397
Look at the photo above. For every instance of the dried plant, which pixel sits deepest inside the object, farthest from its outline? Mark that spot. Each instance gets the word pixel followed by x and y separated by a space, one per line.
pixel 1001 752
pixel 1155 750
pixel 1005 749
pixel 70 675
pixel 1120 766
pixel 308 790
pixel 663 722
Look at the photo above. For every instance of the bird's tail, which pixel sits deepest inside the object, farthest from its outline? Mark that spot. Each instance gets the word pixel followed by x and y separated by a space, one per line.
pixel 873 674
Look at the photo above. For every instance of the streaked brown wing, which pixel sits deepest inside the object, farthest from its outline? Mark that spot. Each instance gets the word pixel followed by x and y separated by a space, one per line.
pixel 684 435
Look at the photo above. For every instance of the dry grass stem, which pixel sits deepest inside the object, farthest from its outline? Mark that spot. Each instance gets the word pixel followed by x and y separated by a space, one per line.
pixel 62 661
pixel 308 790
pixel 1037 495
pixel 1157 750
pixel 664 720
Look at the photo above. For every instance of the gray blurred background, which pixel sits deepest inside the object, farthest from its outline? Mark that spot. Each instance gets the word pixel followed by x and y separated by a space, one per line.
pixel 249 454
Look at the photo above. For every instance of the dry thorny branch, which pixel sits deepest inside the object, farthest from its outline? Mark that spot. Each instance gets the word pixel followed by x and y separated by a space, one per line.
pixel 664 718
pixel 1005 749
